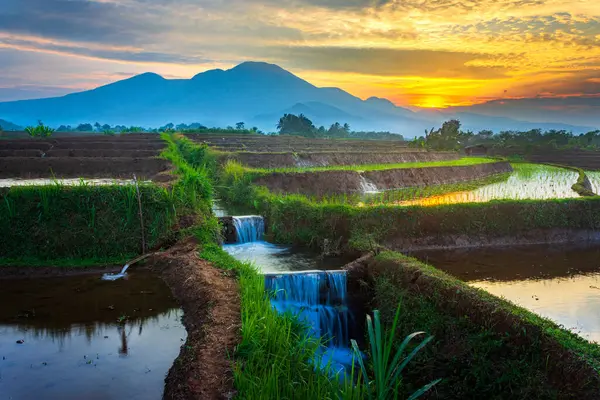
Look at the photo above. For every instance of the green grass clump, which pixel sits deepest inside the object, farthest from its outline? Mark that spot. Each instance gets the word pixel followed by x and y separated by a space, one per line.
pixel 54 222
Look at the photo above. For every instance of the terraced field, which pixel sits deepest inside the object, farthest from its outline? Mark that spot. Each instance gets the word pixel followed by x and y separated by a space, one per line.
pixel 108 157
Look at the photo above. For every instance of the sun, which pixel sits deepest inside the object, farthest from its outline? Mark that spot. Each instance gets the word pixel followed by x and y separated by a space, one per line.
pixel 432 102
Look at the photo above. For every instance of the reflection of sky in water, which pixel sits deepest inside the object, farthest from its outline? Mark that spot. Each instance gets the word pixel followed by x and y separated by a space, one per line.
pixel 573 302
pixel 97 361
pixel 268 257
pixel 526 182
pixel 75 348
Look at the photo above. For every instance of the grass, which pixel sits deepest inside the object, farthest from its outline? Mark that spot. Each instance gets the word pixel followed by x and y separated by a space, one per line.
pixel 485 347
pixel 55 223
pixel 378 167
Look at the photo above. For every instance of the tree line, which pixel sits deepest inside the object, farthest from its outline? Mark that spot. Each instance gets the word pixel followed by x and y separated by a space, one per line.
pixel 301 125
pixel 451 137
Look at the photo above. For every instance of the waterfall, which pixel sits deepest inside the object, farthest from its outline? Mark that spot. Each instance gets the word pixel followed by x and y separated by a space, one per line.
pixel 318 298
pixel 366 186
pixel 249 228
pixel 114 277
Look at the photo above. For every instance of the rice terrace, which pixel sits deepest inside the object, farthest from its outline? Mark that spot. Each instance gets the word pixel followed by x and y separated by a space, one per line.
pixel 233 264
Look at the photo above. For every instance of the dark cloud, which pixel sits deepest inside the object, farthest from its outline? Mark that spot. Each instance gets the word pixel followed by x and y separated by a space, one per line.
pixel 107 53
pixel 76 20
pixel 382 61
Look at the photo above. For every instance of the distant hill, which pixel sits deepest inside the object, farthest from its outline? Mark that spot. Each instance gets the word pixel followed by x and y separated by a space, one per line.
pixel 253 92
pixel 9 126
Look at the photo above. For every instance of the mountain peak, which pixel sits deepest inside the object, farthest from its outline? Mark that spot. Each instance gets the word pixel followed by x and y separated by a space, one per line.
pixel 147 76
pixel 379 100
pixel 258 66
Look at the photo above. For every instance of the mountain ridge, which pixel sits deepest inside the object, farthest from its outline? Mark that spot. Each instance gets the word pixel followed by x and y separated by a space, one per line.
pixel 254 92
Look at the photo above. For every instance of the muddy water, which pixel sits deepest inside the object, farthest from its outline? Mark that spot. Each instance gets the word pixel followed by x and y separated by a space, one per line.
pixel 83 338
pixel 559 282
pixel 528 181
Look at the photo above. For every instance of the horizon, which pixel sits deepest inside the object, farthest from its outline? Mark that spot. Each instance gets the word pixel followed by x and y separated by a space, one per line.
pixel 444 55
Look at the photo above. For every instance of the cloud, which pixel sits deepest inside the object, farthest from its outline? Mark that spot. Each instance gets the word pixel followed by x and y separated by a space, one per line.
pixel 390 62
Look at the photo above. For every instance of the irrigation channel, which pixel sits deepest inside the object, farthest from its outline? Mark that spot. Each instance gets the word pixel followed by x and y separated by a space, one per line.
pixel 79 337
pixel 561 283
pixel 304 284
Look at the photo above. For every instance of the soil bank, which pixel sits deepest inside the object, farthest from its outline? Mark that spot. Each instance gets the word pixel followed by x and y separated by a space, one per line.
pixel 210 300
pixel 334 182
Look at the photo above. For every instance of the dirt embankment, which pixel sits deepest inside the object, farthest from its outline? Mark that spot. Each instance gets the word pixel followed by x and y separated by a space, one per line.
pixel 585 159
pixel 534 236
pixel 88 167
pixel 327 183
pixel 211 304
pixel 554 367
pixel 323 159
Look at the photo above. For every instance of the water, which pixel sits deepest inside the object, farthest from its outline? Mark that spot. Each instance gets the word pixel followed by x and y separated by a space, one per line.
pixel 84 338
pixel 594 177
pixel 561 282
pixel 528 181
pixel 249 228
pixel 269 257
pixel 114 277
pixel 318 298
pixel 66 182
pixel 367 186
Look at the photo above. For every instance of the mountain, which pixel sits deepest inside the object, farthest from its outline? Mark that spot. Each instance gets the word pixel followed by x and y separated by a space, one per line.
pixel 9 126
pixel 253 92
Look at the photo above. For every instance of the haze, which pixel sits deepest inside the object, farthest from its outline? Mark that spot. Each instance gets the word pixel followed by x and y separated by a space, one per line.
pixel 533 60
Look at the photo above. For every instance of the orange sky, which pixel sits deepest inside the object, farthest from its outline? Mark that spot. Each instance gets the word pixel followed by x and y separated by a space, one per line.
pixel 427 53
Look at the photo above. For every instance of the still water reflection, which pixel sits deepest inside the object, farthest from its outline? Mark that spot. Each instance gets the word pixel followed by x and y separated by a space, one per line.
pixel 560 282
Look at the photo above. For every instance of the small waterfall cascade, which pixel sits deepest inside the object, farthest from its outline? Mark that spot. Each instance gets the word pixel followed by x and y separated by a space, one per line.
pixel 318 298
pixel 367 186
pixel 249 228
pixel 114 277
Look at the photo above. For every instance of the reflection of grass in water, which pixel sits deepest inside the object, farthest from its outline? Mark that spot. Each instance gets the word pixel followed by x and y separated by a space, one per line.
pixel 90 330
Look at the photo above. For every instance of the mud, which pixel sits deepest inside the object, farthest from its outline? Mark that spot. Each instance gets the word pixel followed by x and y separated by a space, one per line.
pixel 88 167
pixel 326 183
pixel 575 158
pixel 211 304
pixel 322 159
pixel 534 236
pixel 297 144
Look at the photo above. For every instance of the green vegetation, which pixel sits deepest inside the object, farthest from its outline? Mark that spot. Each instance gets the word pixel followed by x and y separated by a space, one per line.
pixel 300 125
pixel 388 363
pixel 39 131
pixel 55 222
pixel 465 161
pixel 485 347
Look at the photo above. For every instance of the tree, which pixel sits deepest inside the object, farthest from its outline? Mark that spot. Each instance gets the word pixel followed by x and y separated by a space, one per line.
pixel 445 138
pixel 240 126
pixel 106 127
pixel 97 126
pixel 84 128
pixel 296 124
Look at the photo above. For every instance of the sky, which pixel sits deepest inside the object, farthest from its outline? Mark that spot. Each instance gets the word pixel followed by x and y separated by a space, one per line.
pixel 421 53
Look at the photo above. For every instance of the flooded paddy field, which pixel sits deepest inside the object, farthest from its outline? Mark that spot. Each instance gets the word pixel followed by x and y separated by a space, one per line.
pixel 526 182
pixel 80 337
pixel 561 283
